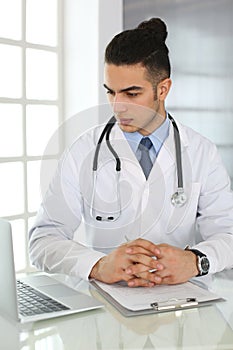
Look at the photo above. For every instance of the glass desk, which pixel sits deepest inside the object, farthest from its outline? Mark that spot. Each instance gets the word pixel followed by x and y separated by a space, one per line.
pixel 205 328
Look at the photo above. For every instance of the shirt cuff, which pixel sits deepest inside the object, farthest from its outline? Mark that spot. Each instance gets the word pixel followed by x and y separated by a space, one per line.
pixel 87 262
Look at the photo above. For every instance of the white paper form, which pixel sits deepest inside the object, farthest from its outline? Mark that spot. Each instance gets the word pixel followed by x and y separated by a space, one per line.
pixel 141 298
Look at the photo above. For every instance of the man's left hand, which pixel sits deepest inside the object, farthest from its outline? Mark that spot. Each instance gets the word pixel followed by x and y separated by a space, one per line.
pixel 175 266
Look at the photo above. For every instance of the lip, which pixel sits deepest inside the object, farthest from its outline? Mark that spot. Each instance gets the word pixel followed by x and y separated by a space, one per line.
pixel 125 121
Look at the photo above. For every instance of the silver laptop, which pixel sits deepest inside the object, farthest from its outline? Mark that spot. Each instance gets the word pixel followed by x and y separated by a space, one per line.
pixel 36 297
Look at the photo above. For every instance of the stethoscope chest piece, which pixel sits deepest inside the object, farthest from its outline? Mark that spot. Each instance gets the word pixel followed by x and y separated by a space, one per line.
pixel 179 198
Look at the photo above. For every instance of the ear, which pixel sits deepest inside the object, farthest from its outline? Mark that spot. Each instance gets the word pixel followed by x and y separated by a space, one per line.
pixel 163 88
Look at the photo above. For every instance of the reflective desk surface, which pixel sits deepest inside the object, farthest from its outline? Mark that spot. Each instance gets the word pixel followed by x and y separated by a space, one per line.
pixel 209 327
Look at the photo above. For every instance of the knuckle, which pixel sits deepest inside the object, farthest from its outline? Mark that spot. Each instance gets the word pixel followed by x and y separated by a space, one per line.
pixel 137 257
pixel 136 282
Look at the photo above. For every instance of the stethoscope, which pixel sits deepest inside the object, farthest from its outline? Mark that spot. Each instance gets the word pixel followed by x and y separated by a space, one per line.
pixel 178 199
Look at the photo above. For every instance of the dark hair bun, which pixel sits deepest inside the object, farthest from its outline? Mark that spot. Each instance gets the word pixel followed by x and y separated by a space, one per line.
pixel 157 26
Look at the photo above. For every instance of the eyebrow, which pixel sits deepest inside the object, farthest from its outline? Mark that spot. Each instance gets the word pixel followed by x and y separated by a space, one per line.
pixel 130 88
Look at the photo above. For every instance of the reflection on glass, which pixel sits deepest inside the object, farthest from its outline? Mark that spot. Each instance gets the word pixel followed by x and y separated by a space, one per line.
pixel 49 341
pixel 38 12
pixel 19 244
pixel 41 74
pixel 10 19
pixel 10 71
pixel 42 122
pixel 11 188
pixel 11 129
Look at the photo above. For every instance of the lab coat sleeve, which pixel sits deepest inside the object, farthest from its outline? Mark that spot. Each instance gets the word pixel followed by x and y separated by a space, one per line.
pixel 215 215
pixel 52 246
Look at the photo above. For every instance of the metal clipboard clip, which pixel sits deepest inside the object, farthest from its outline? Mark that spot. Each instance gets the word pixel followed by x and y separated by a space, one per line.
pixel 173 304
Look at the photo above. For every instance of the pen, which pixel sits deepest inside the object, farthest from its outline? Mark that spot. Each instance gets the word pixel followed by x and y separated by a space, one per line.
pixel 153 270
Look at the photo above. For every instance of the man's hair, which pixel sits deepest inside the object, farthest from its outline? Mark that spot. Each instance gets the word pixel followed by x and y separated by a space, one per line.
pixel 144 45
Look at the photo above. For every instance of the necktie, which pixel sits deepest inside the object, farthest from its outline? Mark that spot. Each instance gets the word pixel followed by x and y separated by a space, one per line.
pixel 145 160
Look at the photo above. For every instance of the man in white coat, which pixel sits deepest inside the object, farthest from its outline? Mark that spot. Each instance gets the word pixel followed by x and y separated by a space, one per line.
pixel 133 230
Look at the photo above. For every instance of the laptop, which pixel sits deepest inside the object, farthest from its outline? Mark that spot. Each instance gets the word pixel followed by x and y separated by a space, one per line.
pixel 38 296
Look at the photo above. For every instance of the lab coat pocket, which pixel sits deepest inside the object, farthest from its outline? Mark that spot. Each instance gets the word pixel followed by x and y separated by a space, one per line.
pixel 185 216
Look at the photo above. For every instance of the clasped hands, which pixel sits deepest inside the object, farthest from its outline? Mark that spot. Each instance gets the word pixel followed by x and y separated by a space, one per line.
pixel 143 263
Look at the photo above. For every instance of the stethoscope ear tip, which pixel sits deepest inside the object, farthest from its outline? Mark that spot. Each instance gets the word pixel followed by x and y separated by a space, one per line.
pixel 100 218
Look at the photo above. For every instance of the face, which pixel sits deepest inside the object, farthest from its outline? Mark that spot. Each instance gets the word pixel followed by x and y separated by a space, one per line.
pixel 136 104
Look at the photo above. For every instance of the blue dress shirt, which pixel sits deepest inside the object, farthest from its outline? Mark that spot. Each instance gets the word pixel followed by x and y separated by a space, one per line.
pixel 157 138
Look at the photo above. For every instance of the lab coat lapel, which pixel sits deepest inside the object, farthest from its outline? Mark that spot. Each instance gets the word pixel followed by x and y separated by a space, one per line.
pixel 130 164
pixel 166 158
pixel 165 161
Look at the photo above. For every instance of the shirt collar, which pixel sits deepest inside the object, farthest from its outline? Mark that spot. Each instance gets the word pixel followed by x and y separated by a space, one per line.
pixel 157 137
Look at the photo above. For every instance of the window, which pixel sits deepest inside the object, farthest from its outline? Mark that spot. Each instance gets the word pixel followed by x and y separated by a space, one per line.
pixel 201 60
pixel 30 109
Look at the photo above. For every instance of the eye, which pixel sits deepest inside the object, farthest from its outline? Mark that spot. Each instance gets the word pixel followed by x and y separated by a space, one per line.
pixel 132 94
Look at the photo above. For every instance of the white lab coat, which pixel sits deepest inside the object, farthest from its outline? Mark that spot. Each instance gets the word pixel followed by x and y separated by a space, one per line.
pixel 204 222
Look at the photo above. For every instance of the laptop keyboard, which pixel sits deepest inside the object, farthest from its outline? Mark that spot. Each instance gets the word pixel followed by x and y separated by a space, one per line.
pixel 32 302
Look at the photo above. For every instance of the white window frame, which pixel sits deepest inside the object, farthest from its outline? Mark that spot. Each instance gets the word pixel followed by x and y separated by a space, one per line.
pixel 24 101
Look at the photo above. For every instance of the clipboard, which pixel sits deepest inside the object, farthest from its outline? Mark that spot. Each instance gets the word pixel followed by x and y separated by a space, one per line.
pixel 158 299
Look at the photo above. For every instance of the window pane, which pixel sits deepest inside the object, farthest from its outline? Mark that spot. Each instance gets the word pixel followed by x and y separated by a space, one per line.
pixel 10 71
pixel 10 19
pixel 226 154
pixel 19 244
pixel 216 126
pixel 11 188
pixel 42 11
pixel 33 178
pixel 38 180
pixel 11 143
pixel 31 221
pixel 41 74
pixel 201 91
pixel 42 122
pixel 48 168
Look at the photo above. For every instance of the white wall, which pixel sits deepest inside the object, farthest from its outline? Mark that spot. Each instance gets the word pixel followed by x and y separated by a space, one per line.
pixel 88 26
pixel 110 23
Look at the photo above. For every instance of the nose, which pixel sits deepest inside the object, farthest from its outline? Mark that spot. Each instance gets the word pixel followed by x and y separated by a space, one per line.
pixel 119 105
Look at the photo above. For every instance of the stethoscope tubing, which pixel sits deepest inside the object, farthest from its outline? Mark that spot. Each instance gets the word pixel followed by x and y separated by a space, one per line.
pixel 107 129
pixel 178 198
pixel 178 152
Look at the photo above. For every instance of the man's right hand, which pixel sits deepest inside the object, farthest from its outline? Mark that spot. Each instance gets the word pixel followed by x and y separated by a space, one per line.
pixel 112 267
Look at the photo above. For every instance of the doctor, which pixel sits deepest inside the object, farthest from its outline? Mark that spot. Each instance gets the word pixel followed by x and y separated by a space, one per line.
pixel 135 229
